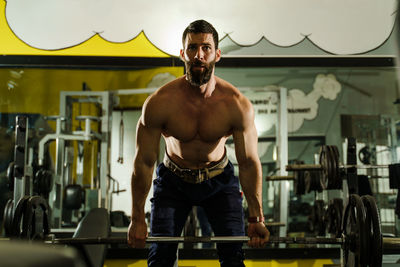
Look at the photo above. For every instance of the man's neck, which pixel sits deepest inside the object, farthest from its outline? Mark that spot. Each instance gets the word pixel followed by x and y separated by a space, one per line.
pixel 204 90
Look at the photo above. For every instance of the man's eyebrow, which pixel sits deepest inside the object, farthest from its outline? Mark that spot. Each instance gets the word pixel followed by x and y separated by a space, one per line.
pixel 205 43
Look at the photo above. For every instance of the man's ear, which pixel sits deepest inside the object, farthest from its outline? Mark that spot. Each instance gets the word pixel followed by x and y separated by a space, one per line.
pixel 181 55
pixel 217 55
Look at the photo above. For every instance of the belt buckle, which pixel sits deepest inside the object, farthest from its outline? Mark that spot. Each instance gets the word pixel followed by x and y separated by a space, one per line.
pixel 189 175
pixel 193 176
pixel 200 177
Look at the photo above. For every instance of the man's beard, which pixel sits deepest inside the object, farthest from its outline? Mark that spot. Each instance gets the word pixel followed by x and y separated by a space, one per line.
pixel 198 78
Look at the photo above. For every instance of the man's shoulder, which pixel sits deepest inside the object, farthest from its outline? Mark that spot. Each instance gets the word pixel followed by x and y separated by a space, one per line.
pixel 168 89
pixel 225 85
pixel 232 92
pixel 163 96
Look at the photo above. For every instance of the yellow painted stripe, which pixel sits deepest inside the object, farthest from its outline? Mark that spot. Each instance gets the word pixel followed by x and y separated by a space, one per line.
pixel 215 263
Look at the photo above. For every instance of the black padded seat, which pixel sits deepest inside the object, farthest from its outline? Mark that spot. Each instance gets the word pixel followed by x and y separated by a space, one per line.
pixel 94 224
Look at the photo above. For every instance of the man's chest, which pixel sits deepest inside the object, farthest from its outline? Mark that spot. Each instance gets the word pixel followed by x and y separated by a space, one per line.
pixel 207 123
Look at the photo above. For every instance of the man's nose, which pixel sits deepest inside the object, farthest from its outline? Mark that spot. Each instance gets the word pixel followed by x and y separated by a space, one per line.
pixel 199 54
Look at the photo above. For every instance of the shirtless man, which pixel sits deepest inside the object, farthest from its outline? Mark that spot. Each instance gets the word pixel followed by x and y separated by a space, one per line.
pixel 196 114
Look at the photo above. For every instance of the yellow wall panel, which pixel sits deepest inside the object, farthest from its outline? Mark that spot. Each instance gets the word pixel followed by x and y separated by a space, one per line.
pixel 95 46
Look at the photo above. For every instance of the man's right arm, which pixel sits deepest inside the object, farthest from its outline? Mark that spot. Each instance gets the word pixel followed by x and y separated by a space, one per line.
pixel 148 135
pixel 147 147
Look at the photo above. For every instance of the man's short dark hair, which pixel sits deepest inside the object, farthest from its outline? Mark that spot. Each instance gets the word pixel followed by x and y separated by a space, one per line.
pixel 200 26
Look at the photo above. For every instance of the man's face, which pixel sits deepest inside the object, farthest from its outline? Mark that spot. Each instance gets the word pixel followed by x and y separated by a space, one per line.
pixel 199 55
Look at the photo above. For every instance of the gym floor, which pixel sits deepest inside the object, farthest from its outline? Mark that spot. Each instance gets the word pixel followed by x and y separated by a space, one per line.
pixel 266 257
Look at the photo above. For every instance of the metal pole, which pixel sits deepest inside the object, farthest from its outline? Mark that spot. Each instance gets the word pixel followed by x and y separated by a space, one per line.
pixel 21 188
pixel 282 142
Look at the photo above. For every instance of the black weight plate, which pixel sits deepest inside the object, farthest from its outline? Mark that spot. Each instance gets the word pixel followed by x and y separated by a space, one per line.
pixel 329 219
pixel 299 184
pixel 8 217
pixel 338 204
pixel 335 177
pixel 46 183
pixel 331 171
pixel 338 176
pixel 313 186
pixel 355 233
pixel 320 212
pixel 334 172
pixel 316 219
pixel 364 155
pixel 324 162
pixel 10 176
pixel 43 182
pixel 18 216
pixel 334 220
pixel 316 178
pixel 374 229
pixel 35 222
pixel 312 181
pixel 307 181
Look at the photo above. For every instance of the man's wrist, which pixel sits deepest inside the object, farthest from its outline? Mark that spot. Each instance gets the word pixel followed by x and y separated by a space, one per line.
pixel 256 219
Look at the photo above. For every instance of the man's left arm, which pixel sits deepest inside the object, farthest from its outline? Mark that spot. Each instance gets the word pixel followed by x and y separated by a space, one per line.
pixel 250 172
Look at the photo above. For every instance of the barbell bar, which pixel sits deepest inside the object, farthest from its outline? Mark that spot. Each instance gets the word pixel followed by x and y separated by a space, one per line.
pixel 388 242
pixel 280 178
pixel 197 239
pixel 329 167
pixel 319 167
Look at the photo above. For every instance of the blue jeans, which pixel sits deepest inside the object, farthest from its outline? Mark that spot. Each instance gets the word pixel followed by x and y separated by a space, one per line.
pixel 204 225
pixel 172 201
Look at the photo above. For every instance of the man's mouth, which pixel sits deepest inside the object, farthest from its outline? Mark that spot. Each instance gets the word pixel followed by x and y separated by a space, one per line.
pixel 198 67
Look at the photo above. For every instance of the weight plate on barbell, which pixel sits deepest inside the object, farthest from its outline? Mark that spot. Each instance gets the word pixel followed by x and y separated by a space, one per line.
pixel 338 176
pixel 317 180
pixel 307 182
pixel 331 171
pixel 374 230
pixel 333 177
pixel 329 161
pixel 316 176
pixel 324 161
pixel 312 181
pixel 299 183
pixel 355 246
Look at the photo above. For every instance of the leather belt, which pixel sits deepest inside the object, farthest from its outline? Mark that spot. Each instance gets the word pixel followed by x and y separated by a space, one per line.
pixel 196 176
